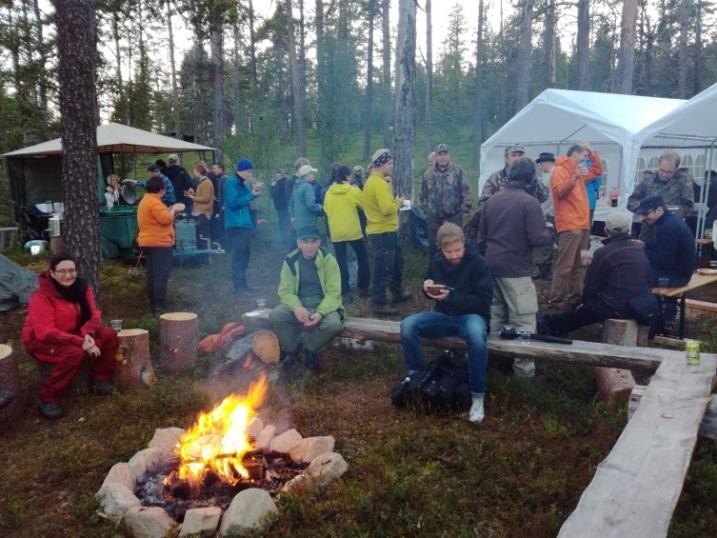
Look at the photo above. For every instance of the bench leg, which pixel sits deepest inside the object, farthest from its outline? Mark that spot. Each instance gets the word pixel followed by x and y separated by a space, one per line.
pixel 682 317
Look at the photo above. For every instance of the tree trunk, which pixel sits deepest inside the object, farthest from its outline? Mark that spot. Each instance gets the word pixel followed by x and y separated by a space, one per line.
pixel 252 43
pixel 42 80
pixel 405 85
pixel 478 90
pixel 386 97
pixel 626 56
pixel 549 45
pixel 216 37
pixel 429 79
pixel 302 47
pixel 173 74
pixel 369 82
pixel 582 53
pixel 522 79
pixel 237 81
pixel 683 50
pixel 697 75
pixel 76 44
pixel 178 340
pixel 297 89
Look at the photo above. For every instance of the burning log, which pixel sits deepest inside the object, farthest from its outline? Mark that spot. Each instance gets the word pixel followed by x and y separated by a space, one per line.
pixel 134 366
pixel 10 381
pixel 178 338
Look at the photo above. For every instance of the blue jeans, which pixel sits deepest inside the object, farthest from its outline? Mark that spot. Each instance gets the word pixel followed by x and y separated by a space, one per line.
pixel 469 327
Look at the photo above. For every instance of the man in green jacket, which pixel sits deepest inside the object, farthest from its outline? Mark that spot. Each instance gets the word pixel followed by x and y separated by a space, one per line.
pixel 310 294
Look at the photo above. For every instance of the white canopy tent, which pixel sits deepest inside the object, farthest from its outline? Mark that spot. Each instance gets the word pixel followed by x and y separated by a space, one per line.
pixel 556 119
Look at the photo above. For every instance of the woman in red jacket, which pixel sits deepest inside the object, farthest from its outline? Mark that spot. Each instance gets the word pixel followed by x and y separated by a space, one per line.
pixel 63 326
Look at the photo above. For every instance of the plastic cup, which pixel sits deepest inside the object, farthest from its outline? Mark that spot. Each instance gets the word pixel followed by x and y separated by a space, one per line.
pixel 666 400
pixel 713 264
pixel 116 325
pixel 663 282
pixel 261 303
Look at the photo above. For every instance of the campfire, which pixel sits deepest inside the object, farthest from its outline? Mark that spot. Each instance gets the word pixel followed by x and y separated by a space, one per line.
pixel 227 457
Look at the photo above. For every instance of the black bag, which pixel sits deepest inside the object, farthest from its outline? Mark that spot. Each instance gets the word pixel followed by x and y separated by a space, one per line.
pixel 444 385
pixel 644 309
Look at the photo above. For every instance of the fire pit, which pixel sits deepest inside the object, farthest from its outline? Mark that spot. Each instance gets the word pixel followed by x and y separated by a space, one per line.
pixel 227 466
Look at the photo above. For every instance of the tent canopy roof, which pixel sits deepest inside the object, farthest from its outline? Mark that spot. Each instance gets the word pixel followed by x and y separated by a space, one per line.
pixel 557 115
pixel 117 138
pixel 694 124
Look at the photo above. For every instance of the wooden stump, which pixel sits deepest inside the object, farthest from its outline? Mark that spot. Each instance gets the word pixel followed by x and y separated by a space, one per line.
pixel 178 338
pixel 10 380
pixel 134 365
pixel 614 382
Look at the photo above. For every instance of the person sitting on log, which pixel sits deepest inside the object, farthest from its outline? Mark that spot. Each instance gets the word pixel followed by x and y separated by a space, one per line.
pixel 461 284
pixel 310 294
pixel 62 328
pixel 616 277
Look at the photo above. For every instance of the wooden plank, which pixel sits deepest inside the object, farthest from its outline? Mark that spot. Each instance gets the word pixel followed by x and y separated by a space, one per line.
pixel 697 281
pixel 708 427
pixel 636 488
pixel 580 352
pixel 705 306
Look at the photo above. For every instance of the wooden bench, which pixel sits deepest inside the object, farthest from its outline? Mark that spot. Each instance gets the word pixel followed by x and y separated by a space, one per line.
pixel 697 281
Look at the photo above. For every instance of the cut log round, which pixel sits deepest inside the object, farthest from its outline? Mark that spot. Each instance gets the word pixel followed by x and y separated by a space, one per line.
pixel 263 344
pixel 134 365
pixel 178 338
pixel 613 382
pixel 10 381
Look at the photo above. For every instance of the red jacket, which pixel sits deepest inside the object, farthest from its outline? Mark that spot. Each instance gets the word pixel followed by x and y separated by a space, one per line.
pixel 52 319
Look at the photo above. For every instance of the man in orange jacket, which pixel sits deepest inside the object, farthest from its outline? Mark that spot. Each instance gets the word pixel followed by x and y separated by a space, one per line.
pixel 572 220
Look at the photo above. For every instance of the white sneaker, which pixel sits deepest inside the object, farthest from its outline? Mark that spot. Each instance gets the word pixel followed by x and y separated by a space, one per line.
pixel 477 412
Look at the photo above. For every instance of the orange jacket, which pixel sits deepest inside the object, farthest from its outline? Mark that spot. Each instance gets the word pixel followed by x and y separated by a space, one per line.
pixel 570 199
pixel 155 222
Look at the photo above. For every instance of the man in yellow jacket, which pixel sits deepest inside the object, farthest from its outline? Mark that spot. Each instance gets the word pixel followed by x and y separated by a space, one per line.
pixel 381 208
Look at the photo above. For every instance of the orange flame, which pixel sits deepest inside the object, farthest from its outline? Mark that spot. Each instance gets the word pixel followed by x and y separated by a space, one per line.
pixel 218 439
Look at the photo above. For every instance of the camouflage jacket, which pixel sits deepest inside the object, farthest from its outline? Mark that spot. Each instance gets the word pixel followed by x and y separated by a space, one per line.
pixel 498 182
pixel 676 191
pixel 445 193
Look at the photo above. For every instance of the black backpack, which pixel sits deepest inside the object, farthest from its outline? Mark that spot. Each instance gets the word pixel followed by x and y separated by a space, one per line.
pixel 444 385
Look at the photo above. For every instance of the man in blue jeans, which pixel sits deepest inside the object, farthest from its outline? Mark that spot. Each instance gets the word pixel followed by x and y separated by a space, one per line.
pixel 462 286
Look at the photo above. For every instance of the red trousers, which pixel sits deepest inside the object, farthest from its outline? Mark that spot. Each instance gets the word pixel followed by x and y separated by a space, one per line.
pixel 67 360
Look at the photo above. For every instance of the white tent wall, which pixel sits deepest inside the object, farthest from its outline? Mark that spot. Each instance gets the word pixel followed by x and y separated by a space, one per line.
pixel 556 119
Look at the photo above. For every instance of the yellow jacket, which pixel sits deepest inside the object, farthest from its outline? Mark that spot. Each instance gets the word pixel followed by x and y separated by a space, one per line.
pixel 204 198
pixel 341 206
pixel 379 205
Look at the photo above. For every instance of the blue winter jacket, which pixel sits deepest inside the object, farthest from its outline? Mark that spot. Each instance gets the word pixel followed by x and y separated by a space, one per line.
pixel 237 196
pixel 303 206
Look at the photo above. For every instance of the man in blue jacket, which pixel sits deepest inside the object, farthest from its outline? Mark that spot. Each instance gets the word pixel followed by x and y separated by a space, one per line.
pixel 239 221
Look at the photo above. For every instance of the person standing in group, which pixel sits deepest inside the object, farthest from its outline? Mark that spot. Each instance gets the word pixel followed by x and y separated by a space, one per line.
pixel 289 189
pixel 572 221
pixel 281 204
pixel 169 197
pixel 239 220
pixel 445 195
pixel 303 207
pixel 203 205
pixel 511 226
pixel 543 256
pixel 218 178
pixel 181 180
pixel 156 240
pixel 381 208
pixel 342 204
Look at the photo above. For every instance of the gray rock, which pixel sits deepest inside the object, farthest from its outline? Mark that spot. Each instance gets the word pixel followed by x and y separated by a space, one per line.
pixel 121 473
pixel 285 442
pixel 115 499
pixel 201 521
pixel 255 426
pixel 300 484
pixel 248 511
pixel 166 439
pixel 310 447
pixel 145 460
pixel 326 468
pixel 148 522
pixel 263 440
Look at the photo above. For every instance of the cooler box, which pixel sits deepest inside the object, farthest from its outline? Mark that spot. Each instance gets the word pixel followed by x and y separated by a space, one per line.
pixel 119 226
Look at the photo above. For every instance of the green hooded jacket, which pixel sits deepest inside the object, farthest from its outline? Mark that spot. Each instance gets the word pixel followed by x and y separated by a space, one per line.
pixel 329 276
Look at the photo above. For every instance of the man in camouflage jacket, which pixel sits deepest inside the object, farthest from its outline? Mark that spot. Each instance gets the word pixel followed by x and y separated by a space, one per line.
pixel 445 195
pixel 671 182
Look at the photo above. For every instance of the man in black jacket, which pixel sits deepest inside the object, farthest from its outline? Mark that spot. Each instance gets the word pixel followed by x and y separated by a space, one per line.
pixel 461 284
pixel 618 273
pixel 181 180
pixel 281 204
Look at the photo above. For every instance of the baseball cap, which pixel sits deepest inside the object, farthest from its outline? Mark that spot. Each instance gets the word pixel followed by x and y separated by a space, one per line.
pixel 308 232
pixel 307 168
pixel 514 147
pixel 649 203
pixel 545 156
pixel 441 147
pixel 618 222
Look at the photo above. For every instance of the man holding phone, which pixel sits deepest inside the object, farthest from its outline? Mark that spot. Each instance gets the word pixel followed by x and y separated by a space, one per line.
pixel 461 284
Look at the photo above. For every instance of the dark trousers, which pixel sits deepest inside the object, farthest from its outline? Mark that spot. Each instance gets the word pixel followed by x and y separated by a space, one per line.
pixel 239 243
pixel 579 316
pixel 359 248
pixel 159 265
pixel 202 231
pixel 387 265
pixel 285 230
pixel 67 360
pixel 217 228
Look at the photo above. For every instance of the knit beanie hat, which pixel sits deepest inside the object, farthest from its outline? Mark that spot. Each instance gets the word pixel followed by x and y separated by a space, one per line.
pixel 244 164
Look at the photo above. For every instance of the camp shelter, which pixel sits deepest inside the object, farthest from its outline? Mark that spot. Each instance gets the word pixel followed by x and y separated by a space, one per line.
pixel 556 119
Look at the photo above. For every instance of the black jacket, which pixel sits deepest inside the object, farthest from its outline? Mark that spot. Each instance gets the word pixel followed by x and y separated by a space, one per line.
pixel 278 194
pixel 619 271
pixel 472 282
pixel 181 181
pixel 672 252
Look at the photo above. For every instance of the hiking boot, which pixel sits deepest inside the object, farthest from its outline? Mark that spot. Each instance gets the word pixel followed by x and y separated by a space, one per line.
pixel 102 388
pixel 312 361
pixel 382 309
pixel 401 296
pixel 51 410
pixel 292 367
pixel 477 411
pixel 6 397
